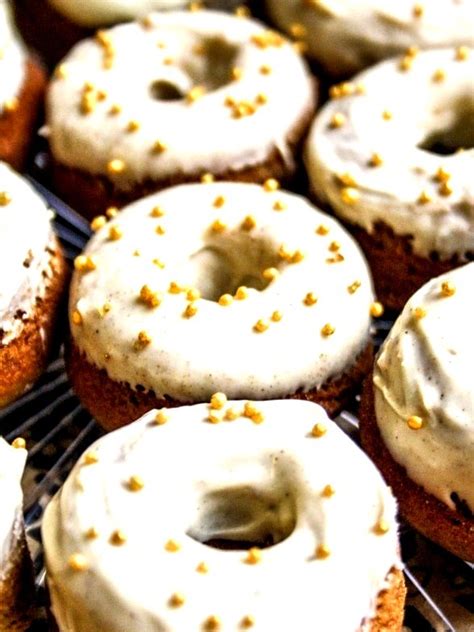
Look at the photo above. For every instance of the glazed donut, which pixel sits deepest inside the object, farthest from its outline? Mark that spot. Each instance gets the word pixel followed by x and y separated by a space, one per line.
pixel 345 36
pixel 22 84
pixel 16 583
pixel 30 286
pixel 375 158
pixel 135 542
pixel 210 96
pixel 217 287
pixel 424 411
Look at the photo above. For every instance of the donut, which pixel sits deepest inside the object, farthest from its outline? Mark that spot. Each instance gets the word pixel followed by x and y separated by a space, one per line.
pixel 135 541
pixel 346 36
pixel 388 166
pixel 228 287
pixel 417 420
pixel 22 84
pixel 210 96
pixel 16 577
pixel 31 285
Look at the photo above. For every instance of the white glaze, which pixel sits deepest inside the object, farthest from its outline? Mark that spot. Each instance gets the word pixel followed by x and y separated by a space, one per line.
pixel 184 465
pixel 200 136
pixel 348 35
pixel 12 462
pixel 95 13
pixel 25 234
pixel 217 349
pixel 390 192
pixel 425 369
pixel 12 58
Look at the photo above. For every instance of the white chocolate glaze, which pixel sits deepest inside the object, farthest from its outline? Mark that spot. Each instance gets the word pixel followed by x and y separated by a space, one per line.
pixel 348 35
pixel 425 369
pixel 397 112
pixel 231 481
pixel 195 136
pixel 218 349
pixel 95 13
pixel 12 462
pixel 25 236
pixel 12 58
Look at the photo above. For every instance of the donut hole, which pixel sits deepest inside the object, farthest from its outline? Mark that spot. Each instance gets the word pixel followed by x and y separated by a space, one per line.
pixel 239 518
pixel 163 90
pixel 212 68
pixel 457 134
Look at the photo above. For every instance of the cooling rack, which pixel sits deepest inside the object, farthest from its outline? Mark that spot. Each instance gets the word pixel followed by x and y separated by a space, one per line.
pixel 57 430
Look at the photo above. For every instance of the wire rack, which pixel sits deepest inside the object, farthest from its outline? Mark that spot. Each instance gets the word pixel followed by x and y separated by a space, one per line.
pixel 57 430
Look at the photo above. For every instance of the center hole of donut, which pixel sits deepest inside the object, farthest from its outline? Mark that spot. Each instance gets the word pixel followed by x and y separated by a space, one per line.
pixel 212 63
pixel 239 518
pixel 217 270
pixel 458 135
pixel 163 90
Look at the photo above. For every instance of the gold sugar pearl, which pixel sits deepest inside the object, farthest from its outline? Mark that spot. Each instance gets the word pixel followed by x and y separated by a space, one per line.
pixel 254 555
pixel 149 297
pixel 405 63
pixel 218 401
pixel 418 10
pixel 236 73
pixel 242 293
pixel 310 299
pixel 191 310
pixel 83 263
pixel 271 184
pixel 172 546
pixel 382 527
pixel 193 294
pixel 11 105
pixel 322 552
pixel 231 414
pixel 298 30
pixel 133 126
pixel 424 198
pixel 160 230
pixel 376 309
pixel 242 11
pixel 98 222
pixel 213 418
pixel 115 233
pixel 265 69
pixel 376 160
pixel 276 316
pixel 415 422
pixel 279 206
pixel 318 430
pixel 219 201
pixel 445 189
pixel 439 75
pixel 218 226
pixel 174 288
pixel 261 98
pixel 195 93
pixel 353 287
pixel 19 443
pixel 142 341
pixel 159 147
pixel 91 458
pixel 157 262
pixel 412 51
pixel 212 623
pixel 328 491
pixel 252 412
pixel 111 212
pixel 161 417
pixel 347 179
pixel 442 175
pixel 337 120
pixel 334 246
pixel 118 538
pixel 297 256
pixel 60 72
pixel 261 325
pixel 91 534
pixel 462 53
pixel 270 274
pixel 419 313
pixel 195 6
pixel 202 567
pixel 116 166
pixel 157 211
pixel 78 562
pixel 76 318
pixel 322 230
pixel 207 178
pixel 349 195
pixel 135 483
pixel 387 115
pixel 115 109
pixel 177 600
pixel 5 198
pixel 447 289
pixel 328 330
pixel 225 300
pixel 249 223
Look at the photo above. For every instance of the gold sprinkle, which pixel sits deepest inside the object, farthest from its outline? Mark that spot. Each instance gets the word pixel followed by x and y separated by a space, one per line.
pixel 387 115
pixel 213 418
pixel 174 288
pixel 328 330
pixel 462 53
pixel 247 622
pixel 418 10
pixel 112 212
pixel 249 223
pixel 191 310
pixel 195 93
pixel 349 195
pixel 149 297
pixel 337 120
pixel 133 126
pixel 419 313
pixel 98 222
pixel 118 538
pixel 405 63
pixel 135 483
pixel 310 299
pixel 328 491
pixel 279 206
pixel 439 75
pixel 261 325
pixel 157 262
pixel 424 197
pixel 242 293
pixel 92 533
pixel 84 263
pixel 168 61
pixel 376 309
pixel 176 600
pixel 271 184
pixel 376 160
pixel 231 414
pixel 265 69
pixel 195 6
pixel 19 443
pixel 193 294
pixel 242 12
pixel 143 340
pixel 159 147
pixel 297 256
pixel 160 229
pixel 115 166
pixel 76 318
pixel 219 201
pixel 442 175
pixel 334 246
pixel 172 546
pixel 412 51
pixel 353 287
pixel 261 98
pixel 226 300
pixel 78 562
pixel 347 180
pixel 276 316
pixel 318 430
pixel 218 226
pixel 322 230
pixel 445 189
pixel 253 413
pixel 115 233
pixel 5 198
pixel 254 555
pixel 298 30
pixel 212 623
pixel 90 458
pixel 202 567
pixel 236 73
pixel 381 527
pixel 207 178
pixel 161 417
pixel 115 109
pixel 270 274
pixel 415 422
pixel 447 289
pixel 157 211
pixel 60 72
pixel 11 105
pixel 322 552
pixel 218 401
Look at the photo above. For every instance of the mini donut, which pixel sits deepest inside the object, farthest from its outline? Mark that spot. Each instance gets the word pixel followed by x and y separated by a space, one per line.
pixel 225 287
pixel 387 165
pixel 210 96
pixel 345 36
pixel 16 577
pixel 417 420
pixel 135 541
pixel 22 84
pixel 31 285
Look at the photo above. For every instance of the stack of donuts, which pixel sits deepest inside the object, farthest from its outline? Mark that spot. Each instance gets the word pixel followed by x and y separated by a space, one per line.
pixel 258 192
